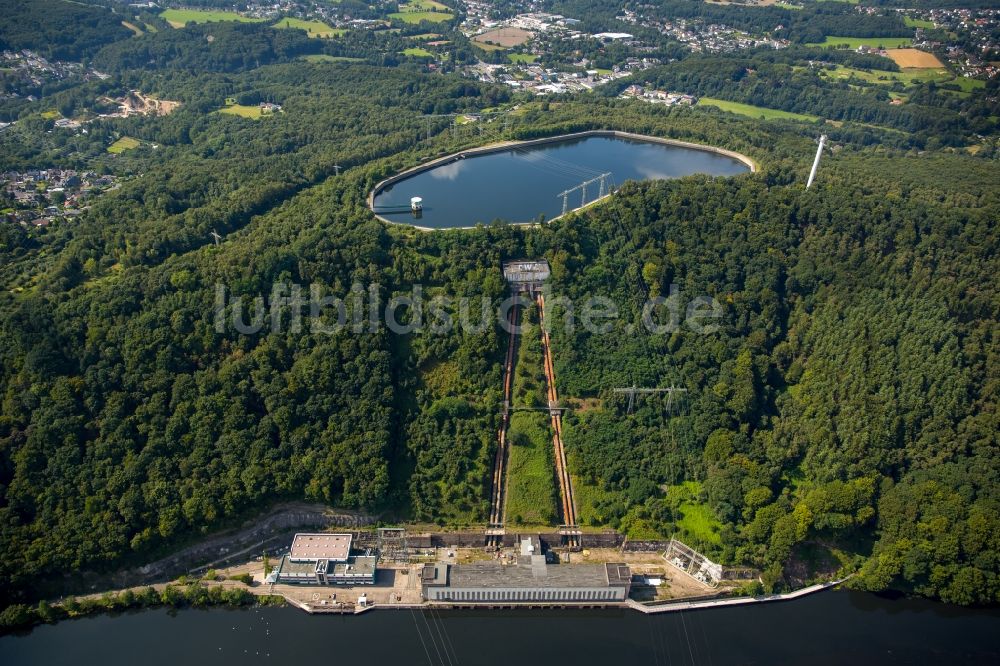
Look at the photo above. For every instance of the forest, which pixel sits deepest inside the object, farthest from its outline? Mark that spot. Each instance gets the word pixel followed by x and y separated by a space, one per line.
pixel 60 31
pixel 843 418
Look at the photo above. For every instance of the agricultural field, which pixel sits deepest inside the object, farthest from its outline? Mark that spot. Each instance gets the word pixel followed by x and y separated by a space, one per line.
pixel 316 29
pixel 506 37
pixel 755 111
pixel 123 144
pixel 178 18
pixel 915 58
pixel 243 111
pixel 855 42
pixel 417 52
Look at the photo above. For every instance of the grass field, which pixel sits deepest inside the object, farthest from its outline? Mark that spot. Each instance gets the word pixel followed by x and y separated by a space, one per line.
pixel 417 52
pixel 915 58
pixel 531 486
pixel 855 42
pixel 968 85
pixel 907 77
pixel 422 6
pixel 917 23
pixel 754 111
pixel 322 57
pixel 123 144
pixel 313 28
pixel 697 521
pixel 522 57
pixel 253 112
pixel 417 17
pixel 487 47
pixel 178 18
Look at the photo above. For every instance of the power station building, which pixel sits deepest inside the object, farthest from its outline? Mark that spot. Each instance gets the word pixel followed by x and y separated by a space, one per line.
pixel 531 580
pixel 324 559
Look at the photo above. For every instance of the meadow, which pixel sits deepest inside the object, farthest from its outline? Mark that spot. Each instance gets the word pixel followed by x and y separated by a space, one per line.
pixel 123 144
pixel 415 11
pixel 178 18
pixel 313 28
pixel 854 42
pixel 755 111
pixel 242 110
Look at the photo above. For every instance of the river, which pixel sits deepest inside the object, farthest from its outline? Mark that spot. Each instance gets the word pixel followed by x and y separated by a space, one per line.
pixel 518 185
pixel 826 628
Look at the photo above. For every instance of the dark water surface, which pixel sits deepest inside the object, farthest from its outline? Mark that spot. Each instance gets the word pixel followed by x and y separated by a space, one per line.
pixel 519 185
pixel 826 628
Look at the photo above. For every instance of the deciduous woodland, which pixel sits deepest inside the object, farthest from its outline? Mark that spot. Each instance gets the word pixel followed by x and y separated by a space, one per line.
pixel 843 416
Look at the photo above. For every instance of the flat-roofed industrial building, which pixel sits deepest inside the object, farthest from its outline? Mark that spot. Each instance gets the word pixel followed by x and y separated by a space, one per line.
pixel 324 559
pixel 533 581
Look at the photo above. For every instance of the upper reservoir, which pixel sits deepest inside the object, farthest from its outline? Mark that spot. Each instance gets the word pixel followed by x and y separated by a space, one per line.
pixel 521 183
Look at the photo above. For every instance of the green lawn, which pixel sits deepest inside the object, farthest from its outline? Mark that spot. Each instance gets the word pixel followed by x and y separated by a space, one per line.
pixel 917 23
pixel 417 52
pixel 242 111
pixel 855 42
pixel 417 17
pixel 178 18
pixel 755 111
pixel 522 57
pixel 532 496
pixel 123 144
pixel 312 28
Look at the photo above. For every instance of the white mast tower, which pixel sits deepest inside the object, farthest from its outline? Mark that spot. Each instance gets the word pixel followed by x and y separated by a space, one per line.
pixel 819 153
